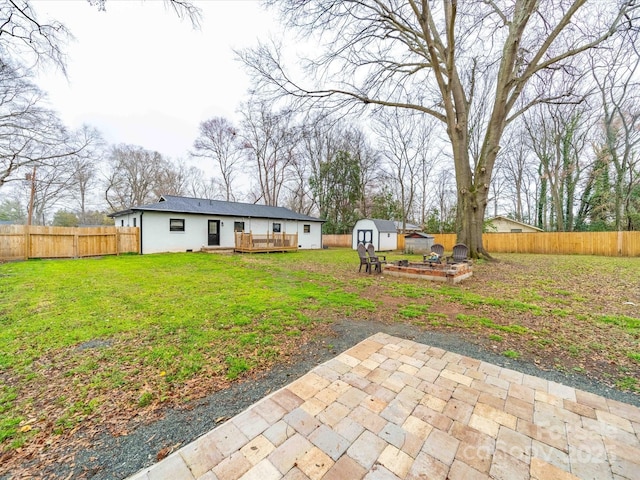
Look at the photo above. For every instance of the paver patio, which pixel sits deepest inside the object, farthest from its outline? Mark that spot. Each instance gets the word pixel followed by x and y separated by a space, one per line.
pixel 390 408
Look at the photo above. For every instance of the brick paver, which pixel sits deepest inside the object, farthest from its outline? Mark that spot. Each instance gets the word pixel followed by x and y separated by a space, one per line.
pixel 391 408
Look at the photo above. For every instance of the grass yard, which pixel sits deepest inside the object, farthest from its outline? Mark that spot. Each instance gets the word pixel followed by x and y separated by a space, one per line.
pixel 91 344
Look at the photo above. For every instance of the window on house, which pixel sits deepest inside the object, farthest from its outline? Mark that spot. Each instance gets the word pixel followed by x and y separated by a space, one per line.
pixel 516 230
pixel 238 227
pixel 176 224
pixel 307 228
pixel 122 223
pixel 134 221
pixel 276 228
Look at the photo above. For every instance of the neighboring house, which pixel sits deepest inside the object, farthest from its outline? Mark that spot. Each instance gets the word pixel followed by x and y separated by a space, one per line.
pixel 178 224
pixel 408 227
pixel 382 233
pixel 502 224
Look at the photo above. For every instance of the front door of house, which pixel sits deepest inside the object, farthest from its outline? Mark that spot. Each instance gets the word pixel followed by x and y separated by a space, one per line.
pixel 365 236
pixel 214 232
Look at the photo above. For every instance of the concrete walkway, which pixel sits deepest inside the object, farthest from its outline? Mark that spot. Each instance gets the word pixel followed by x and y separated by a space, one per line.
pixel 390 408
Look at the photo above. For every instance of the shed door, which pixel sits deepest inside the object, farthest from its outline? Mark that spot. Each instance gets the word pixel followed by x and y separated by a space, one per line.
pixel 364 236
pixel 214 232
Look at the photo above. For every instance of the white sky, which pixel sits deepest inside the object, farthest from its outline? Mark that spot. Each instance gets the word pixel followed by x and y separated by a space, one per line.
pixel 143 76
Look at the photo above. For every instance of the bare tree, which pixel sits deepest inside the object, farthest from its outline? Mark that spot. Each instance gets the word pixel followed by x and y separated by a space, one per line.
pixel 220 142
pixel 270 141
pixel 182 8
pixel 320 140
pixel 406 140
pixel 518 170
pixel 49 187
pixel 559 135
pixel 25 37
pixel 443 202
pixel 30 134
pixel 173 178
pixel 199 186
pixel 616 77
pixel 355 141
pixel 136 177
pixel 432 56
pixel 85 166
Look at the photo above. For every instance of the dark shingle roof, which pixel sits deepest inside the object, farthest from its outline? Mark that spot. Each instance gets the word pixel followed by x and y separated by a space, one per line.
pixel 170 203
pixel 384 225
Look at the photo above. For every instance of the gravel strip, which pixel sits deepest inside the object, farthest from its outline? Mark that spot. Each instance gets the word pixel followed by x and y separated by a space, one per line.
pixel 118 457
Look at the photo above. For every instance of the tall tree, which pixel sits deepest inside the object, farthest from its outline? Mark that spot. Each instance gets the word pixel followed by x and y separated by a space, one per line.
pixel 270 142
pixel 12 210
pixel 27 39
pixel 616 78
pixel 404 140
pixel 31 135
pixel 337 186
pixel 85 165
pixel 432 56
pixel 220 142
pixel 558 134
pixel 136 176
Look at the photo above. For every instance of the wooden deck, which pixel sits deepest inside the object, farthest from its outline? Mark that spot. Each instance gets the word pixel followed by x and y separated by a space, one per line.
pixel 274 242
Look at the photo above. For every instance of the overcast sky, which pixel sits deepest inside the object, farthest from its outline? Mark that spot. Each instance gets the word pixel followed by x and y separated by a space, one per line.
pixel 143 76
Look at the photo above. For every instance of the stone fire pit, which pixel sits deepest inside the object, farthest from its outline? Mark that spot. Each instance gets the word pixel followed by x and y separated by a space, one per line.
pixel 450 273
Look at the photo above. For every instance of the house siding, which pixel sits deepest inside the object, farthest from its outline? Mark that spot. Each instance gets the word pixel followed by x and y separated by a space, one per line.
pixel 157 238
pixel 504 225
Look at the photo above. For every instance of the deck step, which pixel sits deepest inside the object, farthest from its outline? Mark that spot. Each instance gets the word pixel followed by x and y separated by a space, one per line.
pixel 216 250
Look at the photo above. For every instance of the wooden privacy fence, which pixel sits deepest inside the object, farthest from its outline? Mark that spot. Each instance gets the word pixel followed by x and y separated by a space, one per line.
pixel 612 244
pixel 20 242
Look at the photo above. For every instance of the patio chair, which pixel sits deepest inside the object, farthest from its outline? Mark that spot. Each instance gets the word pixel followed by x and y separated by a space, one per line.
pixel 375 259
pixel 364 260
pixel 437 249
pixel 460 254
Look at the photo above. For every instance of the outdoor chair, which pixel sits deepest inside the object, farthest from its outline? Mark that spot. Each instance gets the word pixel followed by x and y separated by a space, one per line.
pixel 375 259
pixel 460 254
pixel 435 248
pixel 364 260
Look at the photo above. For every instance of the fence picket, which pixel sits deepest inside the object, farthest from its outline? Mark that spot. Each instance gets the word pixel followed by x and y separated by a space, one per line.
pixel 20 242
pixel 611 244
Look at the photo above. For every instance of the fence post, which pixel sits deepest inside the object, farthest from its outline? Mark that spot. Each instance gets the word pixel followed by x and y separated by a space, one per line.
pixel 27 241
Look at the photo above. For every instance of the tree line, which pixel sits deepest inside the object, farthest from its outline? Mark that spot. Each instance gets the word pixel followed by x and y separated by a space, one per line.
pixel 440 137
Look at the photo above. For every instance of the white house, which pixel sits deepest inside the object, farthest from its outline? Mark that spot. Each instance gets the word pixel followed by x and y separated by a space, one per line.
pixel 502 224
pixel 178 224
pixel 382 233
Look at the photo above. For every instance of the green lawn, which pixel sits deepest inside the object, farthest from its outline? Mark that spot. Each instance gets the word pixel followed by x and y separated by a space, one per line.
pixel 102 339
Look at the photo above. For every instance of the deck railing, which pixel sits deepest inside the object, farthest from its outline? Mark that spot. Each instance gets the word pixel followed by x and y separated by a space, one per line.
pixel 269 242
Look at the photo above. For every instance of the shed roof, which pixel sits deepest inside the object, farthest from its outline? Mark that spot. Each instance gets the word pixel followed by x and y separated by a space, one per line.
pixel 418 235
pixel 384 225
pixel 407 226
pixel 203 206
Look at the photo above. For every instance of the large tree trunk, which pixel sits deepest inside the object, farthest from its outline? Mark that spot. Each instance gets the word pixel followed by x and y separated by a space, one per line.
pixel 470 218
pixel 472 195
